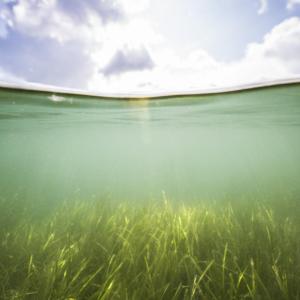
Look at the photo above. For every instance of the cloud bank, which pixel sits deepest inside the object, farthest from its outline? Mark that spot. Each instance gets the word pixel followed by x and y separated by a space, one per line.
pixel 107 46
pixel 277 56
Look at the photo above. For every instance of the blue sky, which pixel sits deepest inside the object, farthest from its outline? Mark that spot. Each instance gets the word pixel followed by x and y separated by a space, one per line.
pixel 148 46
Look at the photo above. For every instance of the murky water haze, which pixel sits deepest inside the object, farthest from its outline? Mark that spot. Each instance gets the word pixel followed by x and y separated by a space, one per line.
pixel 210 147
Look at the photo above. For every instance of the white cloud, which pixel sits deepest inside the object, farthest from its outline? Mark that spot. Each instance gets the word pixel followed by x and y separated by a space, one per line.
pixel 128 59
pixel 292 3
pixel 80 10
pixel 52 20
pixel 69 40
pixel 281 45
pixel 134 6
pixel 276 57
pixel 114 49
pixel 263 7
pixel 66 20
pixel 5 21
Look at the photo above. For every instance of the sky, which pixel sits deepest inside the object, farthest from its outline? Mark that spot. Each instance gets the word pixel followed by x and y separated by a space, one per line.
pixel 146 46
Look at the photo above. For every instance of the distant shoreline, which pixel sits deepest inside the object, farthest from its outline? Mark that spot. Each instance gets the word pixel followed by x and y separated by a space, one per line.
pixel 51 90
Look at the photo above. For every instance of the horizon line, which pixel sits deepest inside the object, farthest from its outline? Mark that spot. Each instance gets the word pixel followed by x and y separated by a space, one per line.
pixel 54 90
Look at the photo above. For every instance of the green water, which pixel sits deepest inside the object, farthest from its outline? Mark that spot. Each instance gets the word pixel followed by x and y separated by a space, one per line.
pixel 237 145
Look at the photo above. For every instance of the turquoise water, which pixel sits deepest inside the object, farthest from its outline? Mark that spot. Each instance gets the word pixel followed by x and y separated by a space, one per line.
pixel 237 145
